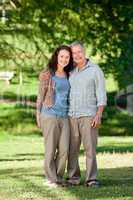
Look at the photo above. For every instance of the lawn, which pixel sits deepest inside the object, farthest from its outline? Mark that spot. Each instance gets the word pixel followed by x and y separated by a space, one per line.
pixel 19 119
pixel 115 122
pixel 22 152
pixel 21 170
pixel 14 91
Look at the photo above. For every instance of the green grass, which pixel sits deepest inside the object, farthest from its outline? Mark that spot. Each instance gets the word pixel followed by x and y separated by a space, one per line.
pixel 30 86
pixel 116 122
pixel 21 152
pixel 21 171
pixel 14 91
pixel 19 119
pixel 16 119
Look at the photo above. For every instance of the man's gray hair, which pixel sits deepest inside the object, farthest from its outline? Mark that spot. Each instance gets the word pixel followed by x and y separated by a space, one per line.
pixel 75 43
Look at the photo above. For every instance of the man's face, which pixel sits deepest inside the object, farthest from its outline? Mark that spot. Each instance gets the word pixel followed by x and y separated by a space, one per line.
pixel 78 54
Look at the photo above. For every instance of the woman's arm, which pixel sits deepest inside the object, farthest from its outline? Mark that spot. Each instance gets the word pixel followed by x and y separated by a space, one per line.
pixel 43 85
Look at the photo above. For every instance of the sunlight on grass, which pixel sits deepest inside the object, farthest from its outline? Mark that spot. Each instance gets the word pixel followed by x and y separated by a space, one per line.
pixel 22 174
pixel 22 154
pixel 29 87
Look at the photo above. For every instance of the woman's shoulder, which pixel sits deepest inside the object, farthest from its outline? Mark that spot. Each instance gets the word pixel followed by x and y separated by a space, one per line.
pixel 44 75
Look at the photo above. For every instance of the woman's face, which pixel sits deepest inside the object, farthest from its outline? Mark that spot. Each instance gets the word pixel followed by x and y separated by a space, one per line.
pixel 63 58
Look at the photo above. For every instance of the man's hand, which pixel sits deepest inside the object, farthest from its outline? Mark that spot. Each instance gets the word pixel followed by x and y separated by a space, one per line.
pixel 96 122
pixel 38 120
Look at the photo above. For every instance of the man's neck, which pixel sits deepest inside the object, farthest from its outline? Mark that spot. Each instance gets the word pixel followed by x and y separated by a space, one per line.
pixel 82 65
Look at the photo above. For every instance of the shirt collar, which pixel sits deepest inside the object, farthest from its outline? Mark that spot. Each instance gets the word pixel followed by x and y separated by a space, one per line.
pixel 88 64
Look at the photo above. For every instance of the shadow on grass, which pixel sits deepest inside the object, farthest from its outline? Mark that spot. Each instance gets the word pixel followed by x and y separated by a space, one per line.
pixel 12 96
pixel 40 156
pixel 116 123
pixel 18 120
pixel 23 157
pixel 112 149
pixel 116 183
pixel 17 159
pixel 115 149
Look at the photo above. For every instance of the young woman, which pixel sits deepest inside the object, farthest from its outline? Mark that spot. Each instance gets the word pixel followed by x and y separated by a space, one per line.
pixel 52 113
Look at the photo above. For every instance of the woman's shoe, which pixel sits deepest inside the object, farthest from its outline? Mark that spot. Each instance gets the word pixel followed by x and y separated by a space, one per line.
pixel 92 183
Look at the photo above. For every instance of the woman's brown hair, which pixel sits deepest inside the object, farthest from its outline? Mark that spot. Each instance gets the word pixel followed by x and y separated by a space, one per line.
pixel 52 65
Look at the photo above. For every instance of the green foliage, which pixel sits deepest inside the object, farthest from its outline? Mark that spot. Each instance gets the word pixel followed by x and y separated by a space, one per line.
pixel 106 25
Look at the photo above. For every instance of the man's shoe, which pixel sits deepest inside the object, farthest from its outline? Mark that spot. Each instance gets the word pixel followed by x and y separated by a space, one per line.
pixel 73 182
pixel 63 184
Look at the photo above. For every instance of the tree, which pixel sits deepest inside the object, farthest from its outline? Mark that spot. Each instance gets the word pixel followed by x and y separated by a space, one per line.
pixel 105 25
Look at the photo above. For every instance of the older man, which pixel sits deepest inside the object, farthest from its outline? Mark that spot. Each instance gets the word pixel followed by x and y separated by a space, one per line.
pixel 87 101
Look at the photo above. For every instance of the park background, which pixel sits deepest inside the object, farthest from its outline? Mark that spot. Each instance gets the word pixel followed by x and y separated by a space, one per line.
pixel 29 32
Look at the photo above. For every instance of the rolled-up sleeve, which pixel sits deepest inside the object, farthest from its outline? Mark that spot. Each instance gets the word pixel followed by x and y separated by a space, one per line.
pixel 100 87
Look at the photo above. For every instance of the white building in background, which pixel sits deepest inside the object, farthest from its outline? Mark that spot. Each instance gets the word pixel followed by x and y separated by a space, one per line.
pixel 130 99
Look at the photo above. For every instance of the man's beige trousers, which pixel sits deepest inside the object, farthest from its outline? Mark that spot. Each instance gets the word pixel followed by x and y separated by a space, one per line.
pixel 81 130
